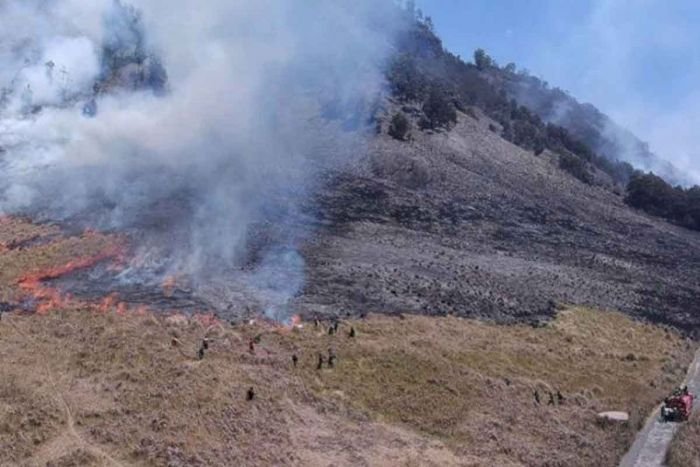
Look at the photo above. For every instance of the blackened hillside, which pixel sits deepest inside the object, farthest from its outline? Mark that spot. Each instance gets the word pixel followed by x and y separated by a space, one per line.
pixel 424 72
pixel 530 114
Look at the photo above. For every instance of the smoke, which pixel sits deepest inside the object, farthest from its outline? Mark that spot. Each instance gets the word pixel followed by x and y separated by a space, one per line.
pixel 633 62
pixel 194 123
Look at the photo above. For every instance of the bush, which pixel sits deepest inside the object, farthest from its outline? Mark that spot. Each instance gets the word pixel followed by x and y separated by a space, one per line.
pixel 406 81
pixel 482 59
pixel 439 110
pixel 576 167
pixel 423 71
pixel 399 126
pixel 655 196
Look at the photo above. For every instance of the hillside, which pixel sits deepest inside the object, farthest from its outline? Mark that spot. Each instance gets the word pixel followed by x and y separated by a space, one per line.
pixel 81 387
pixel 584 121
pixel 185 221
pixel 107 383
pixel 465 222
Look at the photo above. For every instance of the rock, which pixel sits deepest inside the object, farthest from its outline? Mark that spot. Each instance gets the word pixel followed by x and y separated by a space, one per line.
pixel 178 319
pixel 614 416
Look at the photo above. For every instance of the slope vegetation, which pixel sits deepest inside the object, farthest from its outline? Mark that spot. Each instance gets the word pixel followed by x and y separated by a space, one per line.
pixel 86 388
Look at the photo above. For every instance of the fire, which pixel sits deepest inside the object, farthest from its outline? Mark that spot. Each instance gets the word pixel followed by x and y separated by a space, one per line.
pixel 50 298
pixel 107 303
pixel 292 324
pixel 296 322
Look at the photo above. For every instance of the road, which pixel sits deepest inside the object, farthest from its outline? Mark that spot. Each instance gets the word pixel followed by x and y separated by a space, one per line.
pixel 650 446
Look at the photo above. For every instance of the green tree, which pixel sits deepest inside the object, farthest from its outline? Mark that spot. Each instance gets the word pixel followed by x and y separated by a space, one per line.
pixel 482 59
pixel 399 126
pixel 438 110
pixel 576 167
pixel 406 81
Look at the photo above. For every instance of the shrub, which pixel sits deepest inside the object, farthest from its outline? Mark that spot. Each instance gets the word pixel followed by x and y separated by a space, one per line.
pixel 655 196
pixel 438 110
pixel 407 82
pixel 539 146
pixel 576 167
pixel 471 112
pixel 399 126
pixel 482 59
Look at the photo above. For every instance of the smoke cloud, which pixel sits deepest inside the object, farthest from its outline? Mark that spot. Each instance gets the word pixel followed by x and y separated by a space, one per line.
pixel 633 62
pixel 192 122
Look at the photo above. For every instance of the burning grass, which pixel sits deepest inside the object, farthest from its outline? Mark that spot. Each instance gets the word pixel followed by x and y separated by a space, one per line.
pixel 23 269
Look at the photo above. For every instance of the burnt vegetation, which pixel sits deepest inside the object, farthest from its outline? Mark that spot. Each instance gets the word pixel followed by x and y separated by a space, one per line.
pixel 438 83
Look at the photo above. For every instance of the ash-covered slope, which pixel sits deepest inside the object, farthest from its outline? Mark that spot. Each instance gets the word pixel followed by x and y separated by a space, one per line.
pixel 464 222
pixel 584 121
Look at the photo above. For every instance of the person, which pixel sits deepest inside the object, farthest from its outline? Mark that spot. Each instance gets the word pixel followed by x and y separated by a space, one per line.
pixel 250 395
pixel 251 346
pixel 200 353
pixel 335 326
pixel 331 331
pixel 331 358
pixel 560 397
pixel 205 343
pixel 316 323
pixel 551 399
pixel 295 360
pixel 352 332
pixel 537 397
pixel 320 362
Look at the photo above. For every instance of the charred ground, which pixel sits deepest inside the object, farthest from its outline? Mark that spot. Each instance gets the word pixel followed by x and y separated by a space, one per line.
pixel 478 206
pixel 465 222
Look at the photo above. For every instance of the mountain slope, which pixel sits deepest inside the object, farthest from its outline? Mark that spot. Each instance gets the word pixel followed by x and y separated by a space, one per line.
pixel 85 388
pixel 585 122
pixel 464 222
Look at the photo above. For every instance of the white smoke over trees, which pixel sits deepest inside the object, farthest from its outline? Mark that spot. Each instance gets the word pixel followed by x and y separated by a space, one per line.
pixel 259 95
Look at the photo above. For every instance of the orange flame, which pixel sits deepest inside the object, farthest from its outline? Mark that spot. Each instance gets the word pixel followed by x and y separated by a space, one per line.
pixel 50 298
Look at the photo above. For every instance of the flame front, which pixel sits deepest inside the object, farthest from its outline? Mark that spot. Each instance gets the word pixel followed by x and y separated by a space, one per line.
pixel 50 298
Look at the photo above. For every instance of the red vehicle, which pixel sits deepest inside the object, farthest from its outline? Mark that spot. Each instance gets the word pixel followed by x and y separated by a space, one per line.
pixel 677 407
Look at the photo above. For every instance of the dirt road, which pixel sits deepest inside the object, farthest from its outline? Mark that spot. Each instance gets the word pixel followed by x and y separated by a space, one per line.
pixel 651 445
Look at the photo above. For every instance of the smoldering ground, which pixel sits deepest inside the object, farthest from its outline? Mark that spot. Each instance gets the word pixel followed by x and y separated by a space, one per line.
pixel 187 126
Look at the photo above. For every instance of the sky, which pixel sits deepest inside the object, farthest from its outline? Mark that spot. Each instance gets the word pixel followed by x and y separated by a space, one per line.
pixel 636 60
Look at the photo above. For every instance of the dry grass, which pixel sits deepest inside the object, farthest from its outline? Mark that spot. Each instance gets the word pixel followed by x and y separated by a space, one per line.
pixel 472 384
pixel 404 391
pixel 685 449
pixel 19 262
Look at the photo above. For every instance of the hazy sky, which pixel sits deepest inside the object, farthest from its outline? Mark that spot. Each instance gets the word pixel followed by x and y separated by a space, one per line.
pixel 638 61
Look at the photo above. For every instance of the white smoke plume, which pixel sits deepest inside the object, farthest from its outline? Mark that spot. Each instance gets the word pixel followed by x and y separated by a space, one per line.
pixel 259 95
